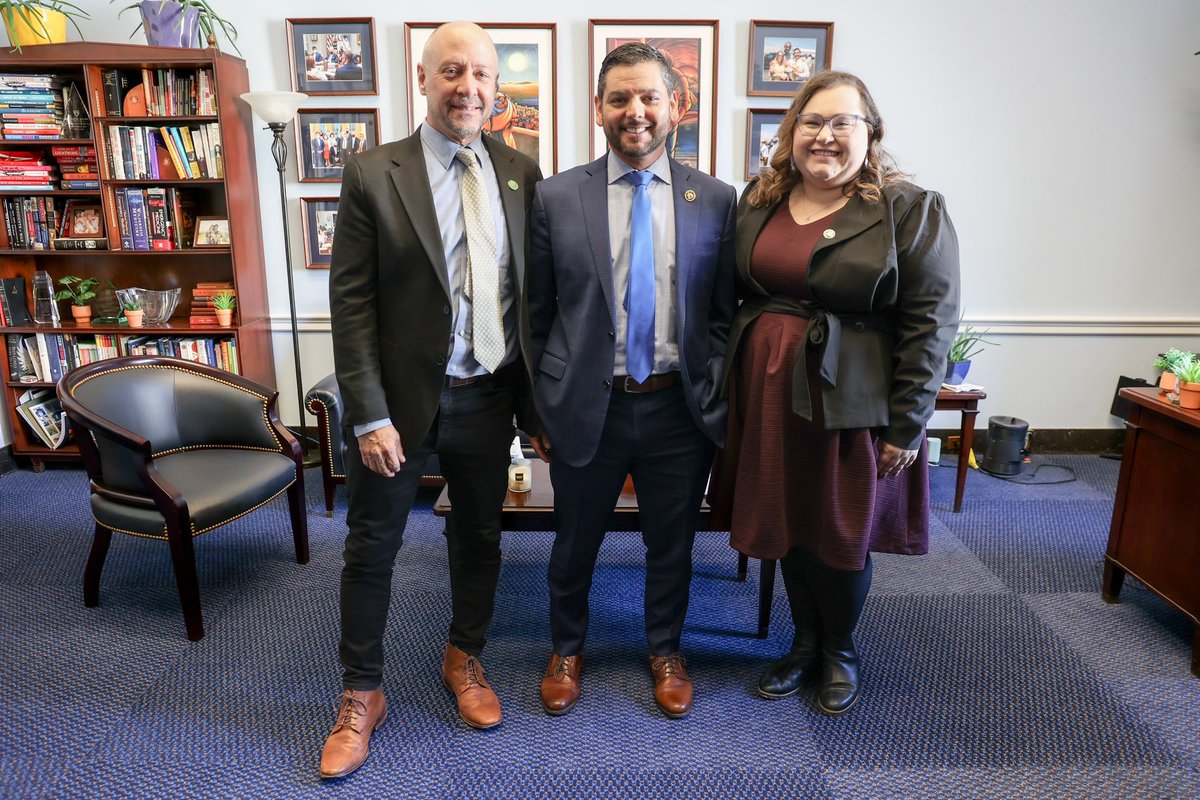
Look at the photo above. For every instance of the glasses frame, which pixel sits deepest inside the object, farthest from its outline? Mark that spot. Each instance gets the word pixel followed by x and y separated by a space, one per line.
pixel 828 121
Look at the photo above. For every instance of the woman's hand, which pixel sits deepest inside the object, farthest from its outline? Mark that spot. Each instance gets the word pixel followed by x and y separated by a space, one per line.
pixel 892 460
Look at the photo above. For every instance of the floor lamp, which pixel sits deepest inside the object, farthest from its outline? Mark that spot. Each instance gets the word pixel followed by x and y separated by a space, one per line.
pixel 277 109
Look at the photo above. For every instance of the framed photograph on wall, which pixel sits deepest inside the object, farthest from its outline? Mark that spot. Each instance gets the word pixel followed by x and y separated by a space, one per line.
pixel 691 48
pixel 762 126
pixel 320 219
pixel 783 55
pixel 333 56
pixel 524 115
pixel 327 137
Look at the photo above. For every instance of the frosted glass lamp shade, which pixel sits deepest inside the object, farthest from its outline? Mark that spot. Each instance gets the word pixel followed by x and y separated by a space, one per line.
pixel 275 107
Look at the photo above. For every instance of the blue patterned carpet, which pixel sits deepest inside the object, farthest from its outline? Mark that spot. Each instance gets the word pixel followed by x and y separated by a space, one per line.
pixel 992 668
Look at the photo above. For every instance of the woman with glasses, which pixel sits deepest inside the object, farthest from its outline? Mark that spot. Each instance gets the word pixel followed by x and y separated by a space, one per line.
pixel 848 276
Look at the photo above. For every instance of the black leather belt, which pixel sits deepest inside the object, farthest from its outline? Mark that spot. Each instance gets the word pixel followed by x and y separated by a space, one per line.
pixel 654 383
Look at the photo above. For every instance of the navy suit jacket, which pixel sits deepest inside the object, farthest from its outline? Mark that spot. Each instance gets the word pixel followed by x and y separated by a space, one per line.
pixel 572 313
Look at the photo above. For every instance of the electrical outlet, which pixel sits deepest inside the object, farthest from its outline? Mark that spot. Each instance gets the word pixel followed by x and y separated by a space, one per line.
pixel 953 444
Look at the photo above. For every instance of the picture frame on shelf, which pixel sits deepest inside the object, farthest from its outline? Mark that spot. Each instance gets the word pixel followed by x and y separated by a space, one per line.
pixel 327 137
pixel 320 220
pixel 211 232
pixel 783 55
pixel 691 47
pixel 762 125
pixel 525 113
pixel 333 56
pixel 86 222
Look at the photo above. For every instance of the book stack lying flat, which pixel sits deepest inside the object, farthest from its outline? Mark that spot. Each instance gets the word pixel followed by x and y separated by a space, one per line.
pixel 26 171
pixel 203 314
pixel 77 165
pixel 30 106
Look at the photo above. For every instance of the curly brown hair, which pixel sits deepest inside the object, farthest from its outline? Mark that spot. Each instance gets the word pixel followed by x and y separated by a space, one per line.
pixel 880 169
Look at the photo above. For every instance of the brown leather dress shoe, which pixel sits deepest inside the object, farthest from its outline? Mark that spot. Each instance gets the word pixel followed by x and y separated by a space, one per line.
pixel 672 686
pixel 463 675
pixel 560 686
pixel 359 715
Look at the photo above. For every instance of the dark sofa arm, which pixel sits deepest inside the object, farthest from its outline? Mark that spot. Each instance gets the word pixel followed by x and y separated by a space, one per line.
pixel 325 401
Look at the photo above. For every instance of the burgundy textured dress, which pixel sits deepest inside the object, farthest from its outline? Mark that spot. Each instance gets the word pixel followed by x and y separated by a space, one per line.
pixel 783 481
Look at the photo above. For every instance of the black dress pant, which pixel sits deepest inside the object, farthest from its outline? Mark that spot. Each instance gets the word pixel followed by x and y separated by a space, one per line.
pixel 653 438
pixel 471 436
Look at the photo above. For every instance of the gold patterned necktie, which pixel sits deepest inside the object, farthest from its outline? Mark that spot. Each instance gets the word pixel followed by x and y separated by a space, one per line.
pixel 483 270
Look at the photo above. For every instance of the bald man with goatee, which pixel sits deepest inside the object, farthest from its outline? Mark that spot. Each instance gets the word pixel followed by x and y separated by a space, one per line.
pixel 434 224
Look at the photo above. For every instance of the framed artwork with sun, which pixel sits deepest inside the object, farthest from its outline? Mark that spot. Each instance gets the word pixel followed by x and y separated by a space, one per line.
pixel 524 114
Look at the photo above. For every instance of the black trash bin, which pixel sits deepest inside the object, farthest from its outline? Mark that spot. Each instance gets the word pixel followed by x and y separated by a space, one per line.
pixel 1005 446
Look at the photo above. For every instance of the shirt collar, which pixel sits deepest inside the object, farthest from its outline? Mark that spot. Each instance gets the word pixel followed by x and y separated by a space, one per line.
pixel 444 149
pixel 618 169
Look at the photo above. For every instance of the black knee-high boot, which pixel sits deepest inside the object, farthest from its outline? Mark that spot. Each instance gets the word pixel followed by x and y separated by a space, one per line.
pixel 785 676
pixel 840 597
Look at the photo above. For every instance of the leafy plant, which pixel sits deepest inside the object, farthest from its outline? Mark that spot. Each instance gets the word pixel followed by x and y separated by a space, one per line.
pixel 224 301
pixel 210 22
pixel 133 303
pixel 29 12
pixel 1168 361
pixel 968 342
pixel 1188 371
pixel 77 290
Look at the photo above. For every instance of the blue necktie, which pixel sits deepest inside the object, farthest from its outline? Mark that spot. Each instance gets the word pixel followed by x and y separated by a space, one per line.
pixel 639 296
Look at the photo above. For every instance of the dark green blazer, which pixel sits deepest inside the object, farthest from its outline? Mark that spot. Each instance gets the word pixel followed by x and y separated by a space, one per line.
pixel 885 309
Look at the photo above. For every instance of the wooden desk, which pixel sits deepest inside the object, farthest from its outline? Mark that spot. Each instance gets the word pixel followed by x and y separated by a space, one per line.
pixel 967 404
pixel 1155 533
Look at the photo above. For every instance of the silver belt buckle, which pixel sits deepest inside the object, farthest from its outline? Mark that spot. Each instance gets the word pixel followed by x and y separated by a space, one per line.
pixel 625 385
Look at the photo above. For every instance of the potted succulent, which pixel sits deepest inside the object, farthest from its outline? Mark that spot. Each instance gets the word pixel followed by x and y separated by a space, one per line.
pixel 181 23
pixel 223 303
pixel 967 343
pixel 39 21
pixel 1188 374
pixel 1167 363
pixel 80 291
pixel 134 313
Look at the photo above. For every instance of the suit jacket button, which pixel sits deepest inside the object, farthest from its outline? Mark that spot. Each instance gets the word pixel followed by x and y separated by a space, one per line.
pixel 445 309
pixel 441 362
pixel 607 384
pixel 860 327
pixel 612 334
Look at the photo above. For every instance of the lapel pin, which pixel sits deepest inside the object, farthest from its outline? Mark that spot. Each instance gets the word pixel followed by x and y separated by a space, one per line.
pixel 513 185
pixel 829 233
pixel 690 195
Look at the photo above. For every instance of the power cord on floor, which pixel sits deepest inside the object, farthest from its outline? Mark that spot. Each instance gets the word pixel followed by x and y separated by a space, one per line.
pixel 1030 479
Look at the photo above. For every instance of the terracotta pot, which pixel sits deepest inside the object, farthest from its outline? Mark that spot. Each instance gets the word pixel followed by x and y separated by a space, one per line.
pixel 1166 381
pixel 48 26
pixel 82 314
pixel 224 317
pixel 1189 395
pixel 134 318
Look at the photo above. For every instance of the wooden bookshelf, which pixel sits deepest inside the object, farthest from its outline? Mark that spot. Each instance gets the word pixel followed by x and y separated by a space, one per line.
pixel 235 198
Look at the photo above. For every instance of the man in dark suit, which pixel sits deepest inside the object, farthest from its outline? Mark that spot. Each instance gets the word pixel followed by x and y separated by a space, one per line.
pixel 426 280
pixel 630 300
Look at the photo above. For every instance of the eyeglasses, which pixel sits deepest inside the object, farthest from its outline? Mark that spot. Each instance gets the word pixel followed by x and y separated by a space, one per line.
pixel 840 125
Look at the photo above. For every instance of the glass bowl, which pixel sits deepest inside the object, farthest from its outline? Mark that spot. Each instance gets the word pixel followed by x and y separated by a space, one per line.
pixel 159 304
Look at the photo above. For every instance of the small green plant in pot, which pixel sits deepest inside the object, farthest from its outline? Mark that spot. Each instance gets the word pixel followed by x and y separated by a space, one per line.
pixel 967 343
pixel 134 313
pixel 39 21
pixel 1167 363
pixel 81 292
pixel 1188 373
pixel 223 304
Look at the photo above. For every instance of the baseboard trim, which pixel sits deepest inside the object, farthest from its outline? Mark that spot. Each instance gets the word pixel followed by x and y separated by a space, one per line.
pixel 1045 440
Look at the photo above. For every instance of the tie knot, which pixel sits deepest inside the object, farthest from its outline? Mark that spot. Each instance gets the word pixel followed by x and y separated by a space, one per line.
pixel 640 178
pixel 467 156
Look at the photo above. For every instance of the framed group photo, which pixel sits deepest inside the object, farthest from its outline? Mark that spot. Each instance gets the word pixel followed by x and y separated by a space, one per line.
pixel 783 55
pixel 691 48
pixel 333 56
pixel 762 137
pixel 326 138
pixel 320 219
pixel 524 114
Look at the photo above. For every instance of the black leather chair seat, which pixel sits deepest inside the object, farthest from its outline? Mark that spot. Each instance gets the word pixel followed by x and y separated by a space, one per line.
pixel 221 486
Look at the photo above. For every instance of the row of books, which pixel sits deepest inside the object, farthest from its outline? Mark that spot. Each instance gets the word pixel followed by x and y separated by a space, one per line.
pixel 154 218
pixel 73 168
pixel 46 357
pixel 166 152
pixel 161 92
pixel 30 223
